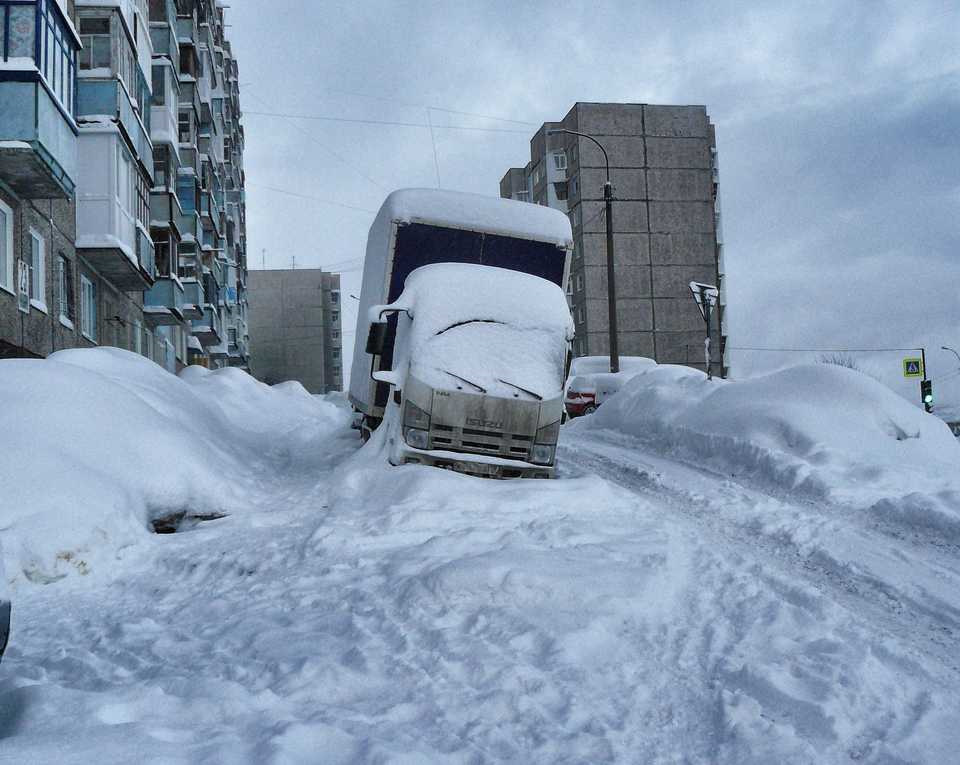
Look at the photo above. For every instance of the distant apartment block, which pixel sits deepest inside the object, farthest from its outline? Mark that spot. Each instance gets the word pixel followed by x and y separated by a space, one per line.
pixel 666 216
pixel 122 216
pixel 295 328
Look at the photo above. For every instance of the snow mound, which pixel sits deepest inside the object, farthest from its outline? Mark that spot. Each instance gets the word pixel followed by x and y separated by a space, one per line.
pixel 106 441
pixel 821 429
pixel 588 365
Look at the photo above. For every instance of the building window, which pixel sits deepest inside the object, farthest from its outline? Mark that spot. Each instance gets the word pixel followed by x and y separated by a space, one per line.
pixel 580 315
pixel 136 337
pixel 38 272
pixel 335 316
pixel 560 189
pixel 578 282
pixel 159 91
pixel 536 175
pixel 88 309
pixel 161 164
pixel 95 35
pixel 65 291
pixel 334 297
pixel 6 247
pixel 522 196
pixel 335 353
pixel 560 160
pixel 143 200
pixel 184 131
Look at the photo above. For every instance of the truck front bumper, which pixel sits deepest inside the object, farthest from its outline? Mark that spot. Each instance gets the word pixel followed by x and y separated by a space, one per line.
pixel 473 464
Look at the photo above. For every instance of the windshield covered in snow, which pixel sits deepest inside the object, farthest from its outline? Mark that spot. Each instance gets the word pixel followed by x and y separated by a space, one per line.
pixel 494 358
pixel 501 330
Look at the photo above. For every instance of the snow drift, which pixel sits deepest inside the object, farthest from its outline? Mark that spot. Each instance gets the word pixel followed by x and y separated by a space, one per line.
pixel 822 430
pixel 102 441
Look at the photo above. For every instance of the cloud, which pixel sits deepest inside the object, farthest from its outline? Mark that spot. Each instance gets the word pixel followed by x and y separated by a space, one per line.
pixel 836 127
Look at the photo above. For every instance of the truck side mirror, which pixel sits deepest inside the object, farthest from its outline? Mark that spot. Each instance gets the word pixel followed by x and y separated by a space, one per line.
pixel 376 338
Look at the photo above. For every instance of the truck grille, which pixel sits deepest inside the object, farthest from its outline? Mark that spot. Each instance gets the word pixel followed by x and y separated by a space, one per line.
pixel 474 441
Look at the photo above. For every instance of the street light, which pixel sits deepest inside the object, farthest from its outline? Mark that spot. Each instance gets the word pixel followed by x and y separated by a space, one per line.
pixel 611 286
pixel 945 348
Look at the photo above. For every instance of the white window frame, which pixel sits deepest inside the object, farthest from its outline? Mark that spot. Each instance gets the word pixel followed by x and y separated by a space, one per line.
pixel 88 309
pixel 578 282
pixel 63 294
pixel 335 316
pixel 38 271
pixel 559 160
pixel 6 250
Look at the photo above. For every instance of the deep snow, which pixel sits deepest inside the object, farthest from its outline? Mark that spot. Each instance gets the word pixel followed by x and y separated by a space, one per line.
pixel 646 607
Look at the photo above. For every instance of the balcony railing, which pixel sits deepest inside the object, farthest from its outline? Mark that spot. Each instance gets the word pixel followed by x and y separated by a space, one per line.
pixel 38 156
pixel 163 303
pixel 207 329
pixel 107 98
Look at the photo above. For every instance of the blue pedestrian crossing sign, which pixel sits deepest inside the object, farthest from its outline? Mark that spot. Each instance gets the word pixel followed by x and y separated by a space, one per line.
pixel 912 368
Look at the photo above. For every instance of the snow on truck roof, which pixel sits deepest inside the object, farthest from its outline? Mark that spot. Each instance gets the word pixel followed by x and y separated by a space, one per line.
pixel 442 295
pixel 477 212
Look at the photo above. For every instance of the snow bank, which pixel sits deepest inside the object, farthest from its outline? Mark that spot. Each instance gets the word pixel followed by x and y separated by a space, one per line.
pixel 102 441
pixel 588 365
pixel 820 429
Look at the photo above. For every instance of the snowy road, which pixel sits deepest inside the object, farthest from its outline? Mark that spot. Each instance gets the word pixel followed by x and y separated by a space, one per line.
pixel 636 610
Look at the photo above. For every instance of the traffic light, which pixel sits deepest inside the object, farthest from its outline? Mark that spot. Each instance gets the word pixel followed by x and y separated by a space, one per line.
pixel 926 394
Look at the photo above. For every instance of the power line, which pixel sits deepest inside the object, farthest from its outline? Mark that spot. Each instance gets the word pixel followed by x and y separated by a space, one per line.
pixel 315 199
pixel 327 149
pixel 428 106
pixel 820 350
pixel 328 118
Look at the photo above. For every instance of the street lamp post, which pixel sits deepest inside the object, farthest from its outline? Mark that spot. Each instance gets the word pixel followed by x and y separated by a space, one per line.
pixel 611 285
pixel 945 348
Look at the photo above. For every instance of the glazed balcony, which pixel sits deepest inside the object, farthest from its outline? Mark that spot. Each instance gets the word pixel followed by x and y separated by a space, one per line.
pixel 163 303
pixel 38 134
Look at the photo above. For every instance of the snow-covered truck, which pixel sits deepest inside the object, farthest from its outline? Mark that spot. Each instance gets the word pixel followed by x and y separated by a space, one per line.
pixel 467 332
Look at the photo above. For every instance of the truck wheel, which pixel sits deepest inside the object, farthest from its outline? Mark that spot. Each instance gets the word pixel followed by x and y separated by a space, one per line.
pixel 589 409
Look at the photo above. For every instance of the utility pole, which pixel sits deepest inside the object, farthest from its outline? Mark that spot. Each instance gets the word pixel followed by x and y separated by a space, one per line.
pixel 263 256
pixel 611 284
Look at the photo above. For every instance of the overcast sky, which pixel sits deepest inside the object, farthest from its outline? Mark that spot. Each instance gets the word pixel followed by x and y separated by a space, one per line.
pixel 838 132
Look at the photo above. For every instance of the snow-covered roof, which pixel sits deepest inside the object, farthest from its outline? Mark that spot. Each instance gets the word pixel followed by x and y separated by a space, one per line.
pixel 476 212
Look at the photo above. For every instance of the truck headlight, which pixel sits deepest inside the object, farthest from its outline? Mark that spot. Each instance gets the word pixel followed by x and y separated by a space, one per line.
pixel 542 454
pixel 415 417
pixel 418 439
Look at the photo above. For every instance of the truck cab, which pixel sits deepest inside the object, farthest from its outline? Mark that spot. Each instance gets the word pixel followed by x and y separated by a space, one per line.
pixel 479 363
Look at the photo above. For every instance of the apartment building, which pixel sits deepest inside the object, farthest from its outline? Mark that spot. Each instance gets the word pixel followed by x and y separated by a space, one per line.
pixel 296 328
pixel 121 222
pixel 42 283
pixel 666 224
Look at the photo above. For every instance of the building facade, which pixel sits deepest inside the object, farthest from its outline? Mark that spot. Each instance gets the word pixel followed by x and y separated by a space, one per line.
pixel 295 328
pixel 93 225
pixel 666 224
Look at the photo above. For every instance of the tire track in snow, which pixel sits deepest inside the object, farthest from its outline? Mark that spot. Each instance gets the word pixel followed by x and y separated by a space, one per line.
pixel 921 626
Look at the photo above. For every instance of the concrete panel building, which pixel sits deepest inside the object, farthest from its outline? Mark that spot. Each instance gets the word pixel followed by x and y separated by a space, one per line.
pixel 666 222
pixel 295 328
pixel 122 214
